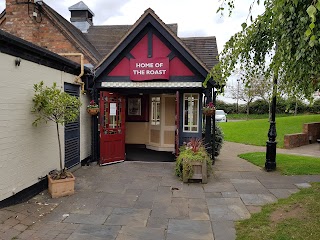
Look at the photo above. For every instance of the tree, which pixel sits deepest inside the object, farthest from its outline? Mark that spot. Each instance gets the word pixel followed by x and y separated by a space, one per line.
pixel 244 93
pixel 282 43
pixel 51 104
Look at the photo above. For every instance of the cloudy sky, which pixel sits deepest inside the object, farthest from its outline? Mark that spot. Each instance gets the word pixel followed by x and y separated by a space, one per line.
pixel 194 18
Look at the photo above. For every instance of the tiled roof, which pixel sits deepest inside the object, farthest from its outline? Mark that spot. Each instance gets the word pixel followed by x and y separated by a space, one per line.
pixel 74 34
pixel 205 48
pixel 104 38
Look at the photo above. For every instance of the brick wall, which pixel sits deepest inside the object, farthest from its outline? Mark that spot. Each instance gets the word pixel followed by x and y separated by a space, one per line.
pixel 19 22
pixel 295 140
pixel 28 152
pixel 311 132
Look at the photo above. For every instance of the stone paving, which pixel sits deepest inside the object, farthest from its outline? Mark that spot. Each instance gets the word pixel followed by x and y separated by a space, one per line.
pixel 139 200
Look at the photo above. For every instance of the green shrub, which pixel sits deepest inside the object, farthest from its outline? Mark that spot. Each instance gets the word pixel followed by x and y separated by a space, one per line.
pixel 218 140
pixel 259 107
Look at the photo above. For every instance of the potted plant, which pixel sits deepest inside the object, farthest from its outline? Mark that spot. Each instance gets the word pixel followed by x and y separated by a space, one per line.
pixel 52 104
pixel 193 161
pixel 93 108
pixel 209 109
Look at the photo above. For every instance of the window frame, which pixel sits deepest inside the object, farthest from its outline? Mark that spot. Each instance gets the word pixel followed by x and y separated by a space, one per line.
pixel 154 121
pixel 184 113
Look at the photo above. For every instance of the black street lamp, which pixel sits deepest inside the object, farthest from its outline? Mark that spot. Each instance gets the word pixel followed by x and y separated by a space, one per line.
pixel 238 80
pixel 270 164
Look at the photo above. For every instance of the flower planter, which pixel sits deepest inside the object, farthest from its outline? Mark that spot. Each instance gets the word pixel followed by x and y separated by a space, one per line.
pixel 93 111
pixel 209 112
pixel 61 187
pixel 199 172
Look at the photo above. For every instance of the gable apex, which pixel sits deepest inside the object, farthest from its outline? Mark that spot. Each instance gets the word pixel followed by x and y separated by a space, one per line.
pixel 150 18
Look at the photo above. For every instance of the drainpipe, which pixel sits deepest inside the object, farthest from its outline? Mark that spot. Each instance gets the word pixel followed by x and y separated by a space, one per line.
pixel 78 78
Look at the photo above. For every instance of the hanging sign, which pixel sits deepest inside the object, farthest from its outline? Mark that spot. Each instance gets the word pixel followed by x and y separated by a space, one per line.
pixel 149 69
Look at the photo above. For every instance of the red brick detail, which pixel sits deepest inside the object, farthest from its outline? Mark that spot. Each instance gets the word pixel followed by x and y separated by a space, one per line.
pixel 19 22
pixel 295 140
pixel 312 130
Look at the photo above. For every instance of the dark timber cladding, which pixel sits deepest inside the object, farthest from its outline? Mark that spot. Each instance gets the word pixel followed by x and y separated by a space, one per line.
pixel 72 133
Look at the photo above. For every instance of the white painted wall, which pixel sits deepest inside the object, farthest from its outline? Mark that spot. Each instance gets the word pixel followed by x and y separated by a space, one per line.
pixel 27 152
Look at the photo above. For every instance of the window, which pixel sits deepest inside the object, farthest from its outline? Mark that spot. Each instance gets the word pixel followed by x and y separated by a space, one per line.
pixel 190 112
pixel 155 111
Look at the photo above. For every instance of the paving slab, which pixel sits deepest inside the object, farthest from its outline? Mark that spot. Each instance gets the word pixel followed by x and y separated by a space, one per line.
pixel 283 193
pixel 141 233
pixel 95 232
pixel 86 219
pixel 189 230
pixel 128 217
pixel 257 199
pixel 224 230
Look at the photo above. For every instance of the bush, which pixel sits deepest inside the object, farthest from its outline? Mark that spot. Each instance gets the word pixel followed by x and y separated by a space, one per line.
pixel 315 107
pixel 219 136
pixel 218 140
pixel 259 107
pixel 227 107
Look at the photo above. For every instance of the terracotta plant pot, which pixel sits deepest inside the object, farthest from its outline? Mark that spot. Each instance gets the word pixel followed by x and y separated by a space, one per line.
pixel 93 111
pixel 61 187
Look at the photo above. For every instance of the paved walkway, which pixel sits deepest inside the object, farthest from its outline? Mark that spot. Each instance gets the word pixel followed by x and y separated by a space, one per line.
pixel 139 200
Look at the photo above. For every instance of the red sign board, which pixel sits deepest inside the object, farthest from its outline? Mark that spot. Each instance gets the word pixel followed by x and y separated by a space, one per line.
pixel 149 69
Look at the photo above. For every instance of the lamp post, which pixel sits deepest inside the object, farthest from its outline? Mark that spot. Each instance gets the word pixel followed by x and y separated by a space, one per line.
pixel 271 152
pixel 238 80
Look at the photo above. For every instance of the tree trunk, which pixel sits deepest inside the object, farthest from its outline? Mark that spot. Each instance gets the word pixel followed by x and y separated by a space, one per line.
pixel 248 110
pixel 60 153
pixel 296 108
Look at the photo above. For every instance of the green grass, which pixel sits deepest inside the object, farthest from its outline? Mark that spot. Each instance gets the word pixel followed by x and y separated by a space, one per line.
pixel 255 132
pixel 287 164
pixel 243 116
pixel 297 217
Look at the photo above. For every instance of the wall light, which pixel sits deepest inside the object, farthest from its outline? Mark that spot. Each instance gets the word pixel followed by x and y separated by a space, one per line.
pixel 17 61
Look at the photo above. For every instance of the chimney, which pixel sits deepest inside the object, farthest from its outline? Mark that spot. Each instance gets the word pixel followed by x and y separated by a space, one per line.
pixel 19 19
pixel 81 16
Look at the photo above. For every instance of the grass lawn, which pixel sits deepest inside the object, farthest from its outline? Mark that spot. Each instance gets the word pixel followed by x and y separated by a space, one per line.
pixel 255 132
pixel 287 164
pixel 297 217
pixel 242 116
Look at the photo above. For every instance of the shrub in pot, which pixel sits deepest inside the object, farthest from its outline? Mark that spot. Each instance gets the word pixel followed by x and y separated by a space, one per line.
pixel 50 104
pixel 193 161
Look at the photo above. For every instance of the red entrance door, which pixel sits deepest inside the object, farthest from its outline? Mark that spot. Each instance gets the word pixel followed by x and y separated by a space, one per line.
pixel 112 128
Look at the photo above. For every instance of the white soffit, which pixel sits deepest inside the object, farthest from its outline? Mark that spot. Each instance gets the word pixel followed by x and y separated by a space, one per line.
pixel 151 84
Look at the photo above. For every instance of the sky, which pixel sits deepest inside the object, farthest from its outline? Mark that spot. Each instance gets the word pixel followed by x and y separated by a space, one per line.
pixel 194 18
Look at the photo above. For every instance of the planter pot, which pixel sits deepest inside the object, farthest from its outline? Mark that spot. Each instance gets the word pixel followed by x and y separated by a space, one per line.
pixel 199 172
pixel 209 112
pixel 93 111
pixel 61 187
